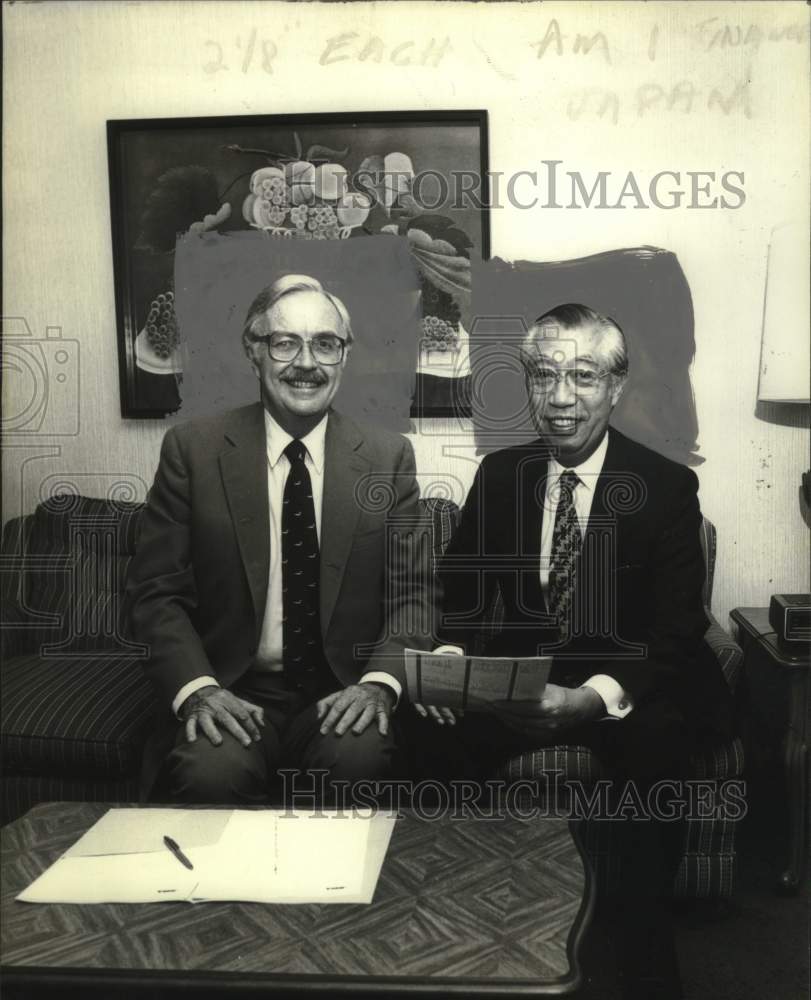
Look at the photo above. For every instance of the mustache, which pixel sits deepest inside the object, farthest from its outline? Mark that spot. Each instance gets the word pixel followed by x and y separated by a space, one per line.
pixel 313 378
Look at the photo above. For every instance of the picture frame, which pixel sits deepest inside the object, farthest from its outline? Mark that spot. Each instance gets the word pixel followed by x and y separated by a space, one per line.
pixel 355 173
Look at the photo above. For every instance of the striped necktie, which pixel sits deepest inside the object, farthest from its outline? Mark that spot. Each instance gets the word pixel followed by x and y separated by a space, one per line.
pixel 566 544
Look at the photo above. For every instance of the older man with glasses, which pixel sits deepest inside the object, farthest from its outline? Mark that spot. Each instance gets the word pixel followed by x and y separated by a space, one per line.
pixel 592 541
pixel 274 596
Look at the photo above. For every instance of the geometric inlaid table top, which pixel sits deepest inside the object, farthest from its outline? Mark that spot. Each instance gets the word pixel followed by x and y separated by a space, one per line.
pixel 462 906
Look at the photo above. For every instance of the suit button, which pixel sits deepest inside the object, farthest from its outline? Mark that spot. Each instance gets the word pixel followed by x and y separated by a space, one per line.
pixel 622 705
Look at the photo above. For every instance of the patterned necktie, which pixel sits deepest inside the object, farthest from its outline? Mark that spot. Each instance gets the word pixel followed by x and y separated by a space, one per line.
pixel 301 629
pixel 566 545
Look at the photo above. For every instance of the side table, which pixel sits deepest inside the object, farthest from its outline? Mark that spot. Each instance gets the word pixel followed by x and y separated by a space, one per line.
pixel 778 705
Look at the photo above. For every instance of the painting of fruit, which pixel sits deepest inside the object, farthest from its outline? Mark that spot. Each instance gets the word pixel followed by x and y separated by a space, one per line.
pixel 304 177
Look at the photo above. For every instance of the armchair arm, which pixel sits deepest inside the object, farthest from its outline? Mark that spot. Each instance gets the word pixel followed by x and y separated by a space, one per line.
pixel 728 653
pixel 16 633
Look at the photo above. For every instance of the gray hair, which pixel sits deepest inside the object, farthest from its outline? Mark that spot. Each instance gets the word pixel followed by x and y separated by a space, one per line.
pixel 573 316
pixel 288 284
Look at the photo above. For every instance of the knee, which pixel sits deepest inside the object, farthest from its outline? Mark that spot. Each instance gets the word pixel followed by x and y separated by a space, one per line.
pixel 354 757
pixel 200 772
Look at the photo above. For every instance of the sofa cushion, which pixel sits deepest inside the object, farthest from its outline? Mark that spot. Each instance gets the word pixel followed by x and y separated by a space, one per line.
pixel 74 563
pixel 707 866
pixel 84 716
pixel 576 763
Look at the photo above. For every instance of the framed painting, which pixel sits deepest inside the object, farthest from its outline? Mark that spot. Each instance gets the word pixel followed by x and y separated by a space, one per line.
pixel 421 175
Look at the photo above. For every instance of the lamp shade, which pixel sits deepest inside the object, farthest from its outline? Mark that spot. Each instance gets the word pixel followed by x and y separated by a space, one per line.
pixel 785 364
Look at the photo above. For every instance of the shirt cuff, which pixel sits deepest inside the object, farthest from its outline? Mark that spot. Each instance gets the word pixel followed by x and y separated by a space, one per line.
pixel 381 677
pixel 190 688
pixel 617 702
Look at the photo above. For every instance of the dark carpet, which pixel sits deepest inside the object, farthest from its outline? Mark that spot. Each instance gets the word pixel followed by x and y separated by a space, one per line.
pixel 754 946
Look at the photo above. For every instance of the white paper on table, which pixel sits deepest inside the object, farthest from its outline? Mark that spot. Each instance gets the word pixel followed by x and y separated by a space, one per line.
pixel 381 827
pixel 271 856
pixel 114 878
pixel 285 856
pixel 138 831
pixel 473 682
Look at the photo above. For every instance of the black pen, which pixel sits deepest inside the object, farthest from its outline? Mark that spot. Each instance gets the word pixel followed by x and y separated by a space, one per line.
pixel 174 847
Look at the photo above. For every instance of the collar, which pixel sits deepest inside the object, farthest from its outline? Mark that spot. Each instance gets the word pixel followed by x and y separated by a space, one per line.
pixel 278 439
pixel 587 471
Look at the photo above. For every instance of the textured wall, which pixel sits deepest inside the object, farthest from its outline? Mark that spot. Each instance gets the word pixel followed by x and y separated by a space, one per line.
pixel 605 101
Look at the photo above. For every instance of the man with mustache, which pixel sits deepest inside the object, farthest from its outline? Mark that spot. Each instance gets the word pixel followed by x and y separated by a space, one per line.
pixel 268 584
pixel 600 567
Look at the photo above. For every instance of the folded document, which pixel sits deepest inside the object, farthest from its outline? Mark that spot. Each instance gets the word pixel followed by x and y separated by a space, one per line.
pixel 473 682
pixel 267 856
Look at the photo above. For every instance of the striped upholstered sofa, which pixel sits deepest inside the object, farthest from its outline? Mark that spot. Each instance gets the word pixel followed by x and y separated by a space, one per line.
pixel 76 707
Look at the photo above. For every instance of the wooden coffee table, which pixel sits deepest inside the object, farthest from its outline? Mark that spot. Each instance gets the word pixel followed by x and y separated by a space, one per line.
pixel 463 907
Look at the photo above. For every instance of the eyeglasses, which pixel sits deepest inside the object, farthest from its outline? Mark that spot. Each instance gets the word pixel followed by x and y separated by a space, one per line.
pixel 583 380
pixel 326 348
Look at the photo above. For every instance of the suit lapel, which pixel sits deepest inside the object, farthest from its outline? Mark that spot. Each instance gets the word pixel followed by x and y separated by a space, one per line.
pixel 344 464
pixel 608 479
pixel 530 492
pixel 605 534
pixel 243 466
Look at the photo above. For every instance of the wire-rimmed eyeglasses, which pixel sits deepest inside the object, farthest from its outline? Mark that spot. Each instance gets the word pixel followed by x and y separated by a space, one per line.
pixel 582 380
pixel 326 348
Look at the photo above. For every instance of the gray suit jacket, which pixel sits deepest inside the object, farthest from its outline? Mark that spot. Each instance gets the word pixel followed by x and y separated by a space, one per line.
pixel 197 585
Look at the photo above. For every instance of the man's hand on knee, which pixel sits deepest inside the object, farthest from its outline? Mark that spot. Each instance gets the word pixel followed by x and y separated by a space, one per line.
pixel 355 707
pixel 213 708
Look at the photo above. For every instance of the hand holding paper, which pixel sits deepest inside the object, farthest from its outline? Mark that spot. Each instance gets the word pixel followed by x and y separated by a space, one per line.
pixel 558 708
pixel 473 683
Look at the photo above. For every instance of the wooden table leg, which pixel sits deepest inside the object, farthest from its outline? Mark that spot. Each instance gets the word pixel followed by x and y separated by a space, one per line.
pixel 796 769
pixel 795 756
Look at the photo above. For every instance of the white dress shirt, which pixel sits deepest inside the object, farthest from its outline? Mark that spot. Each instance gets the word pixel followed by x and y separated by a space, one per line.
pixel 617 703
pixel 269 654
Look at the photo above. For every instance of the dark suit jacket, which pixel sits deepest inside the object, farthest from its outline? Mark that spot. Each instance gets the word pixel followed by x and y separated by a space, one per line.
pixel 640 617
pixel 197 585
